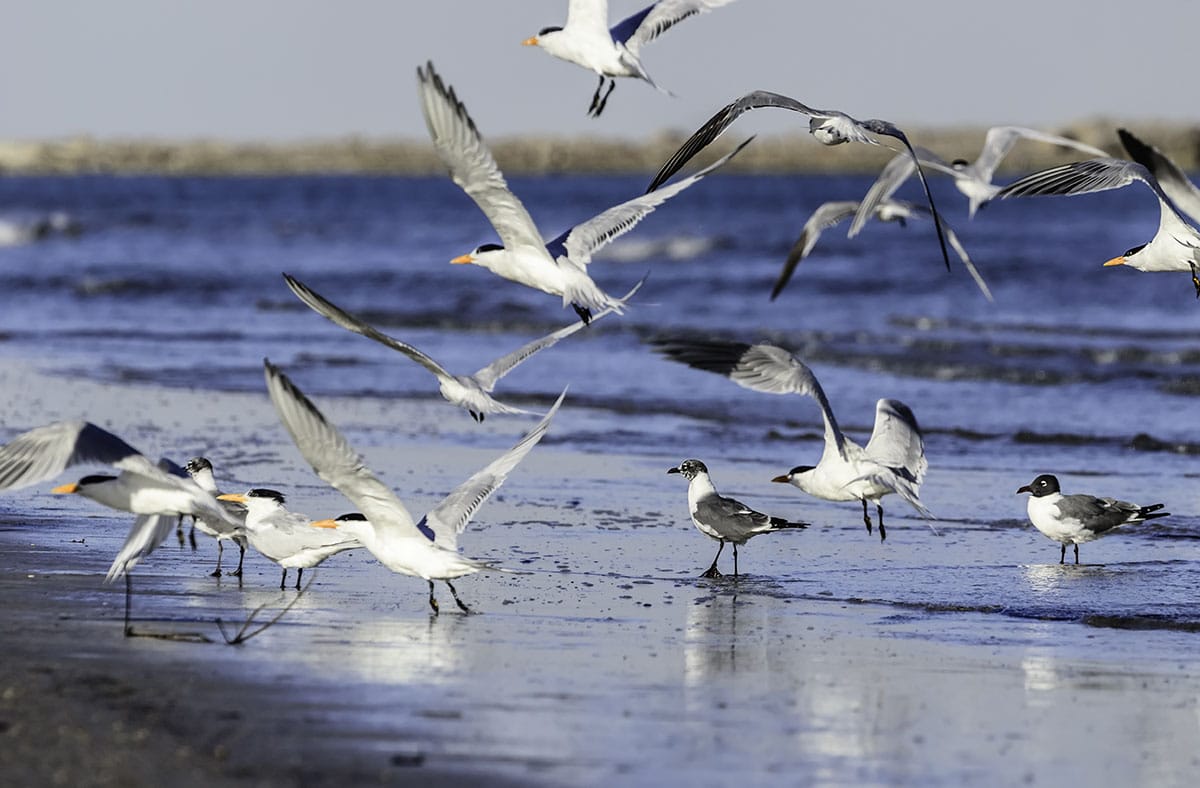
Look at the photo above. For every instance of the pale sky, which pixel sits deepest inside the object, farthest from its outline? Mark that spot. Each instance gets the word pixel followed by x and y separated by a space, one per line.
pixel 299 69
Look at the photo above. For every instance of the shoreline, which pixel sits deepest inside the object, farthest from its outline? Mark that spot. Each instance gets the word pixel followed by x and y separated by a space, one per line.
pixel 353 155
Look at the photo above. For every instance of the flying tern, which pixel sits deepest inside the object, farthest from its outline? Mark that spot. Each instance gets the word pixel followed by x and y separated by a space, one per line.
pixel 587 40
pixel 290 539
pixel 1075 519
pixel 559 267
pixel 472 392
pixel 427 549
pixel 829 127
pixel 721 518
pixel 1176 245
pixel 893 460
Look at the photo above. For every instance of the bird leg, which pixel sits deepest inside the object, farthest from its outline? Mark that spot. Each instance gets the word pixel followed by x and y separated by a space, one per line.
pixel 592 111
pixel 1076 553
pixel 457 601
pixel 584 313
pixel 882 532
pixel 241 557
pixel 128 593
pixel 432 602
pixel 735 572
pixel 192 533
pixel 712 570
pixel 612 83
pixel 179 530
pixel 299 574
pixel 866 516
pixel 283 580
pixel 1195 278
pixel 220 550
pixel 1062 557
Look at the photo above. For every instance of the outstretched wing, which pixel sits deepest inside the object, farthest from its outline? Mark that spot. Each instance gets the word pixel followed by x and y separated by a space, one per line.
pixel 715 126
pixel 450 517
pixel 590 16
pixel 147 533
pixel 896 440
pixel 1170 177
pixel 762 367
pixel 332 456
pixel 1001 139
pixel 45 452
pixel 583 240
pixel 827 215
pixel 487 377
pixel 651 22
pixel 463 151
pixel 1081 177
pixel 338 316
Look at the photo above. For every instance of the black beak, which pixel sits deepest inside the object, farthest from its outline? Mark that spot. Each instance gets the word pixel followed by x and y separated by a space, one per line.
pixel 673 470
pixel 1026 488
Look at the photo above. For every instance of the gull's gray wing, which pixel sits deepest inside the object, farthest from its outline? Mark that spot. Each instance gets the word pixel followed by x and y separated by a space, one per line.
pixel 463 151
pixel 641 28
pixel 45 452
pixel 1082 177
pixel 827 215
pixel 332 456
pixel 762 367
pixel 338 316
pixel 487 377
pixel 732 519
pixel 1098 514
pixel 715 126
pixel 448 519
pixel 896 440
pixel 1170 177
pixel 893 175
pixel 1001 139
pixel 583 240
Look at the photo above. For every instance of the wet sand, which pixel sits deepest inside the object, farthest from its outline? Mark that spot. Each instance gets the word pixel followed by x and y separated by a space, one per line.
pixel 968 657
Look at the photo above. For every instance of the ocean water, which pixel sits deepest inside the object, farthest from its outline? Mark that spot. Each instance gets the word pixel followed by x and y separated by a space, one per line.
pixel 1089 373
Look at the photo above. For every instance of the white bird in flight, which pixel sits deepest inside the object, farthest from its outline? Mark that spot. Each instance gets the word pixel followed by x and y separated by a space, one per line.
pixel 558 267
pixel 892 462
pixel 427 549
pixel 290 539
pixel 973 179
pixel 829 127
pixel 472 392
pixel 1176 245
pixel 587 40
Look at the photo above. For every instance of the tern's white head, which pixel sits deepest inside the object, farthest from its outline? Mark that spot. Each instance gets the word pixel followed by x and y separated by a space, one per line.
pixel 1130 258
pixel 352 524
pixel 797 476
pixel 100 488
pixel 481 255
pixel 547 38
pixel 261 503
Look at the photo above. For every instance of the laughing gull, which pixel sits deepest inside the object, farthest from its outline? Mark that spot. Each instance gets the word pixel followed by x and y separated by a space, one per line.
pixel 290 539
pixel 721 518
pixel 471 392
pixel 559 267
pixel 828 126
pixel 427 549
pixel 1176 245
pixel 587 40
pixel 1074 519
pixel 892 462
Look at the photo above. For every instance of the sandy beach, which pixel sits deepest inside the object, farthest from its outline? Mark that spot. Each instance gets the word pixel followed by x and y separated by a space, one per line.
pixel 609 661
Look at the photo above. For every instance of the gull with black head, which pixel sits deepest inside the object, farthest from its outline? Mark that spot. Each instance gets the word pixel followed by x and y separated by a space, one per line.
pixel 721 518
pixel 1078 518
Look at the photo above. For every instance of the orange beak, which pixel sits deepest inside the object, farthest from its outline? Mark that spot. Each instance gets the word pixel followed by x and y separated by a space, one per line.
pixel 235 497
pixel 530 42
pixel 324 524
pixel 461 259
pixel 66 489
pixel 1115 261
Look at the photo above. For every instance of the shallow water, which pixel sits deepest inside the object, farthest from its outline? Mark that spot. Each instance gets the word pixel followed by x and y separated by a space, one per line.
pixel 831 657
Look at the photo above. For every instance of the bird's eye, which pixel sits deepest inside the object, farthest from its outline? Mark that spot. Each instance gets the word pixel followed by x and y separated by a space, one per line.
pixel 1133 251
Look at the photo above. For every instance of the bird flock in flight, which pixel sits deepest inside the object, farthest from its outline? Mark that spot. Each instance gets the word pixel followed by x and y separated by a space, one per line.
pixel 893 461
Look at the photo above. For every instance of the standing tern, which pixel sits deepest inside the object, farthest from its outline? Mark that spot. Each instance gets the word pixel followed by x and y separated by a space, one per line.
pixel 1075 519
pixel 1182 192
pixel 586 39
pixel 721 518
pixel 427 549
pixel 288 538
pixel 472 392
pixel 892 462
pixel 558 267
pixel 829 127
pixel 201 471
pixel 1176 245
pixel 973 179
pixel 831 214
